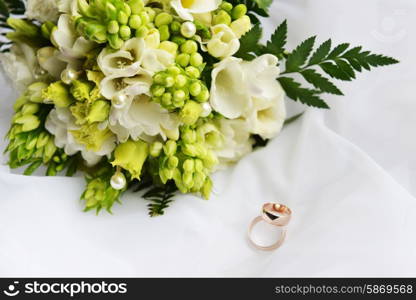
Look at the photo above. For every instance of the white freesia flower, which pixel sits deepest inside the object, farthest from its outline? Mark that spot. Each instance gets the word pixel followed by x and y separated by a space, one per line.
pixel 141 118
pixel 67 40
pixel 42 10
pixel 224 42
pixel 68 7
pixel 186 8
pixel 20 65
pixel 130 86
pixel 130 69
pixel 60 123
pixel 249 90
pixel 48 58
pixel 124 62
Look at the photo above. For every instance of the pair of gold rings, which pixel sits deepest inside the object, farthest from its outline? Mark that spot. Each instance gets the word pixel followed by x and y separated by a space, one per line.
pixel 276 215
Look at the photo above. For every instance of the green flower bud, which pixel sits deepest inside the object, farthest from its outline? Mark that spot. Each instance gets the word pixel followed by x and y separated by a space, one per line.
pixel 239 11
pixel 115 41
pixel 241 26
pixel 169 81
pixel 135 21
pixel 177 176
pixel 206 188
pixel 179 95
pixel 199 180
pixel 227 6
pixel 34 91
pixel 24 27
pixel 99 111
pixel 131 156
pixel 29 122
pixel 30 108
pixel 190 112
pixel 193 72
pixel 189 165
pixel 190 150
pixel 127 9
pixel 22 100
pixel 199 166
pixel 159 78
pixel 125 32
pixel 170 148
pixel 166 174
pixel 203 96
pixel 180 81
pixel 50 150
pixel 173 162
pixel 183 59
pixel 93 28
pixel 42 140
pixel 156 149
pixel 113 27
pixel 178 103
pixel 47 29
pixel 167 99
pixel 122 18
pixel 210 160
pixel 151 13
pixel 189 47
pixel 83 7
pixel 163 19
pixel 169 46
pixel 164 32
pixel 157 90
pixel 142 32
pixel 136 6
pixel 175 26
pixel 187 179
pixel 196 59
pixel 189 136
pixel 57 93
pixel 174 70
pixel 111 11
pixel 195 89
pixel 222 17
pixel 31 143
pixel 145 17
pixel 178 40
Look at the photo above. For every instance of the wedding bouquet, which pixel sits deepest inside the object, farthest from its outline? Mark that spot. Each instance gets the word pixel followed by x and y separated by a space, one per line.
pixel 155 95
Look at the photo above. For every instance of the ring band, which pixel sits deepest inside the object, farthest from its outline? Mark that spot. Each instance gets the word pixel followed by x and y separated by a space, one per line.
pixel 276 215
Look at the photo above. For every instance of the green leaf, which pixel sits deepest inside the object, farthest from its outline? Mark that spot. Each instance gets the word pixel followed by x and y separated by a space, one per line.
pixel 320 82
pixel 321 53
pixel 338 50
pixel 276 45
pixel 293 119
pixel 161 197
pixel 33 167
pixel 249 42
pixel 263 4
pixel 306 96
pixel 299 56
pixel 334 71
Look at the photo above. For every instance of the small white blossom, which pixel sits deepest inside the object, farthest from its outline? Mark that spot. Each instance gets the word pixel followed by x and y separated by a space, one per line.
pixel 42 10
pixel 186 8
pixel 224 42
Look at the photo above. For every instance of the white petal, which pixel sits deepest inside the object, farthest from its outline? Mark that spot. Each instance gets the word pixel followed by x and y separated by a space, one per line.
pixel 229 96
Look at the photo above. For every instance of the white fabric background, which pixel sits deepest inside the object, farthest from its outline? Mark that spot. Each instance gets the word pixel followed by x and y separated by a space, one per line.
pixel 349 175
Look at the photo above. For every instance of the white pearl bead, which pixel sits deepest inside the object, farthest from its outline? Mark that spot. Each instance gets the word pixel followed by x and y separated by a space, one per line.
pixel 68 75
pixel 119 100
pixel 188 29
pixel 118 181
pixel 206 109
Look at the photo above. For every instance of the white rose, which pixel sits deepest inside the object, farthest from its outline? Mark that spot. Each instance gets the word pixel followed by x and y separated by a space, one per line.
pixel 60 122
pixel 42 10
pixel 20 65
pixel 223 43
pixel 249 90
pixel 141 118
pixel 72 46
pixel 186 8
